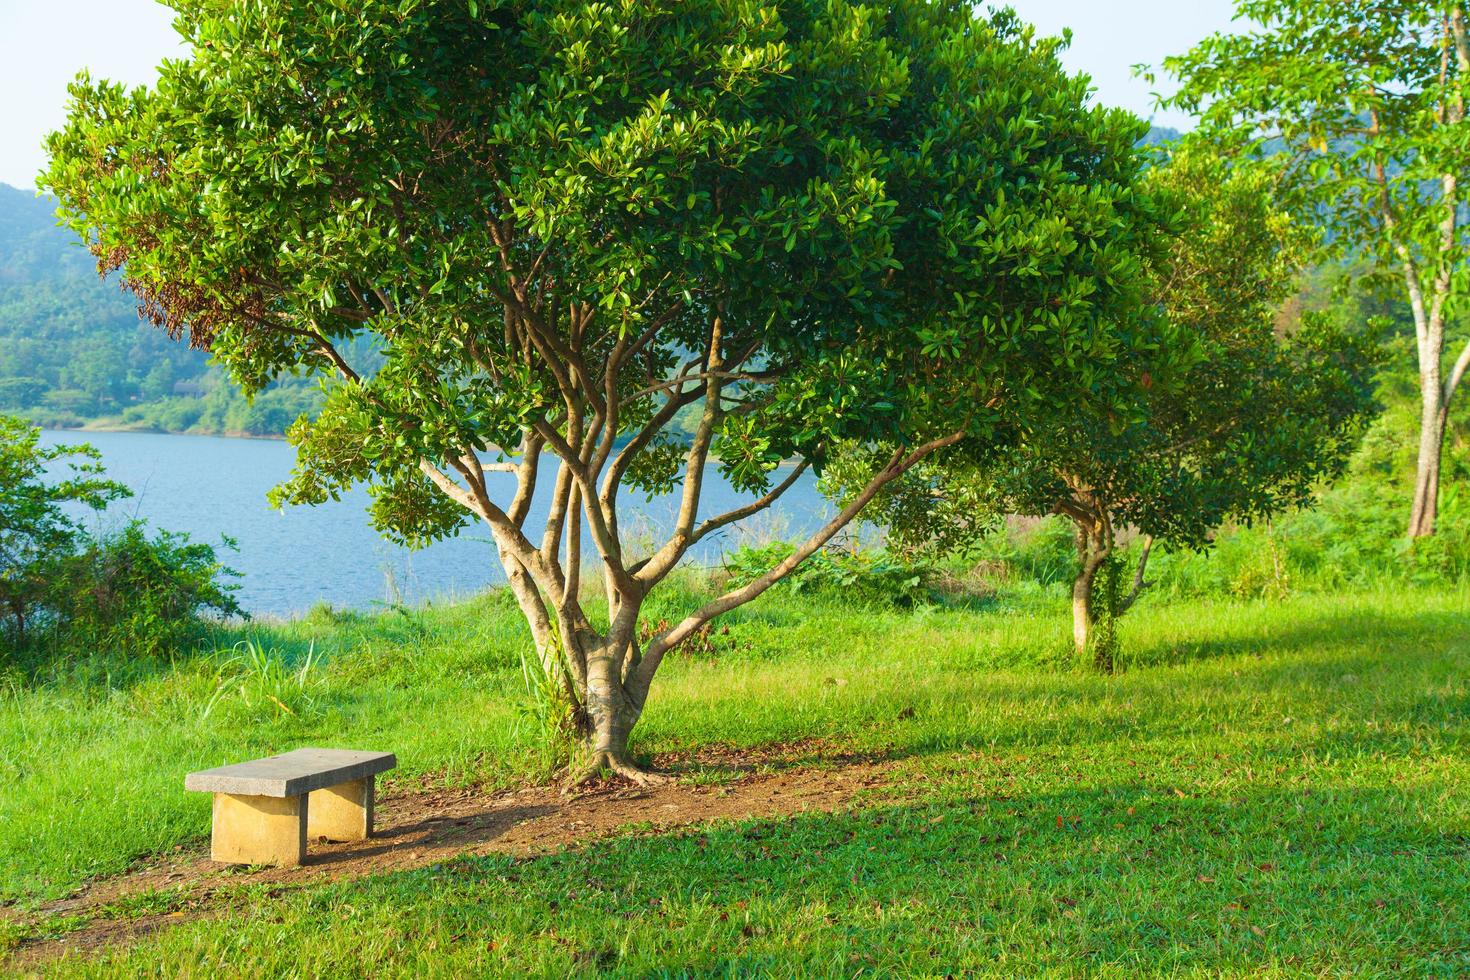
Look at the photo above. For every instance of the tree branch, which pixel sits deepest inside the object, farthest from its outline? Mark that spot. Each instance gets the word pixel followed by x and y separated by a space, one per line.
pixel 1138 581
pixel 641 677
pixel 1457 374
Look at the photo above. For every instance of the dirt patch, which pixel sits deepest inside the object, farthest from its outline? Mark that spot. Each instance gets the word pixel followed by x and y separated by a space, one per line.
pixel 418 827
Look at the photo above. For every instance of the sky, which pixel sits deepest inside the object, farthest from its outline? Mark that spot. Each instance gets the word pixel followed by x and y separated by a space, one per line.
pixel 43 43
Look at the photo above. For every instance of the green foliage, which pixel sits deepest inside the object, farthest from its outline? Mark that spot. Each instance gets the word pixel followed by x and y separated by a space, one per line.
pixel 1352 104
pixel 1227 423
pixel 607 179
pixel 73 350
pixel 1359 110
pixel 63 590
pixel 1352 539
pixel 863 576
pixel 221 408
pixel 71 346
pixel 36 529
pixel 137 595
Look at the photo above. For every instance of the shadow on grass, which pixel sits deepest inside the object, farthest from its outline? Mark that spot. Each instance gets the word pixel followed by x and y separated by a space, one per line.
pixel 1431 629
pixel 1096 877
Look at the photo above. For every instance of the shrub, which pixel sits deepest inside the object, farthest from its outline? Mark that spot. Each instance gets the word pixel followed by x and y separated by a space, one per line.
pixel 40 486
pixel 136 595
pixel 65 591
pixel 860 575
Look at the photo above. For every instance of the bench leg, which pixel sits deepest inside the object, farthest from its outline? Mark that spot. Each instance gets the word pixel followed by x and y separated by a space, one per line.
pixel 259 829
pixel 342 812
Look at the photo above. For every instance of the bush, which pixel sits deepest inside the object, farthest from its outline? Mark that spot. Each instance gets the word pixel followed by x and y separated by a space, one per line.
pixel 860 575
pixel 135 595
pixel 40 486
pixel 66 592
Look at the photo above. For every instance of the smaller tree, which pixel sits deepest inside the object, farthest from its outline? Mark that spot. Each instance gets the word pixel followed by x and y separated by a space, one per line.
pixel 1233 421
pixel 35 527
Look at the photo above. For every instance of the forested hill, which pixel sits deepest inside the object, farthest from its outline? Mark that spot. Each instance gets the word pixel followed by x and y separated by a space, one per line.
pixel 71 346
pixel 32 248
pixel 73 352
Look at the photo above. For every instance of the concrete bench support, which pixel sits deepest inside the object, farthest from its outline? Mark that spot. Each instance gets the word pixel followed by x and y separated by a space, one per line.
pixel 259 830
pixel 341 812
pixel 266 810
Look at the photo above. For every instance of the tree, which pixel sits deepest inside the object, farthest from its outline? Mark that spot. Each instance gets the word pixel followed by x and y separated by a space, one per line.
pixel 1232 423
pixel 1361 104
pixel 34 524
pixel 561 224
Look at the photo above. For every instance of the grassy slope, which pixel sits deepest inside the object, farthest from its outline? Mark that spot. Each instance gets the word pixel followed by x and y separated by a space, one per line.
pixel 1278 785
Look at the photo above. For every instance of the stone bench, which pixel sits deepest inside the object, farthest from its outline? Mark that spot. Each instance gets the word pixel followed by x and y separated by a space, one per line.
pixel 265 809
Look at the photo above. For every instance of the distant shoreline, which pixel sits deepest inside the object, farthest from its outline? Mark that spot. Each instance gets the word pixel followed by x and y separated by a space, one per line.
pixel 103 425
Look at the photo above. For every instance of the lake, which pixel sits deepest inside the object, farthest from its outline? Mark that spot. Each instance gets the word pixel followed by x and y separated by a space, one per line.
pixel 210 487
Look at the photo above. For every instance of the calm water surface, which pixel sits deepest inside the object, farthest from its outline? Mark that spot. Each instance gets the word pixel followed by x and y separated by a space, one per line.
pixel 291 559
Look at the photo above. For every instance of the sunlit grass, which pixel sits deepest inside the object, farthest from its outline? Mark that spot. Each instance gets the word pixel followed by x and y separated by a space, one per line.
pixel 1273 785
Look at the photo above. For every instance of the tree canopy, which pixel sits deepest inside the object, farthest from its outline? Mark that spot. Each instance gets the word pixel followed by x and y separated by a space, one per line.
pixel 558 225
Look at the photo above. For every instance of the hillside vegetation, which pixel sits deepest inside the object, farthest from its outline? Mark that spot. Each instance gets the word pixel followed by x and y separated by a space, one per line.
pixel 73 352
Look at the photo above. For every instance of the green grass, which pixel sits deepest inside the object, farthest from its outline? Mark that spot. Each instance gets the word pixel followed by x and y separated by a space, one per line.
pixel 1268 787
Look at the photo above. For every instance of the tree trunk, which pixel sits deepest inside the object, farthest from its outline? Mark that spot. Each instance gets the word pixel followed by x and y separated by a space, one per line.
pixel 1432 425
pixel 611 715
pixel 1082 615
pixel 1094 549
pixel 1090 559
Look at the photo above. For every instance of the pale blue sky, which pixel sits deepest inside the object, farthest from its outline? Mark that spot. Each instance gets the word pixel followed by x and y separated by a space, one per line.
pixel 43 43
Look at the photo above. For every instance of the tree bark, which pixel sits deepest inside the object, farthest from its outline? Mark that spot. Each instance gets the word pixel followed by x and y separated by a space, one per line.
pixel 1432 425
pixel 611 715
pixel 1082 609
pixel 1140 582
pixel 1083 616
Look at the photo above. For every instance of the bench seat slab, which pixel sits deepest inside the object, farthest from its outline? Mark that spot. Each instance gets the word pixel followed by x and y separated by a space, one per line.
pixel 291 773
pixel 259 829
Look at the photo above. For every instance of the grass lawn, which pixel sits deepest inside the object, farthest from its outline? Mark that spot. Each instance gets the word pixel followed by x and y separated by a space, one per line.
pixel 1267 788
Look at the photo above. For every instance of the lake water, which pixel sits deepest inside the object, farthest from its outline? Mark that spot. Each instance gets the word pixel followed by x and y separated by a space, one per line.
pixel 209 487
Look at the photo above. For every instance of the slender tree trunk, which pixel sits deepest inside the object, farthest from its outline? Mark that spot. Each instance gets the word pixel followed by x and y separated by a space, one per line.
pixel 1433 420
pixel 1082 617
pixel 1437 394
pixel 1083 614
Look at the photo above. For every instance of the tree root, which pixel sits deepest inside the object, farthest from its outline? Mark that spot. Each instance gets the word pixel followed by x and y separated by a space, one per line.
pixel 610 762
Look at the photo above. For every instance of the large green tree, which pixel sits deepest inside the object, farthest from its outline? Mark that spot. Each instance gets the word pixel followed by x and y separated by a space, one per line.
pixel 561 224
pixel 1360 104
pixel 1232 421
